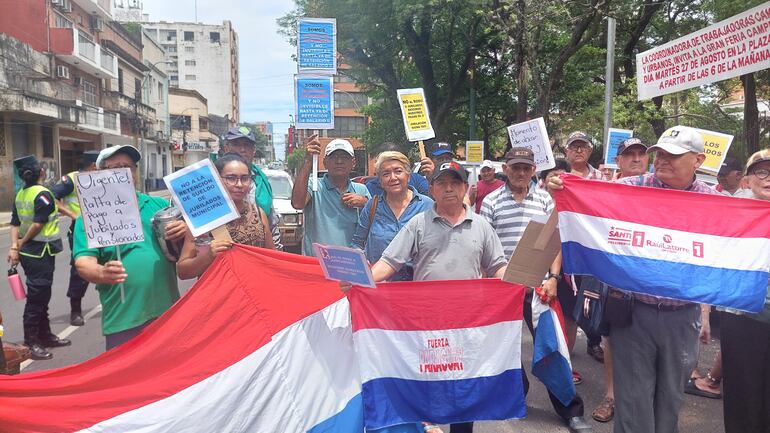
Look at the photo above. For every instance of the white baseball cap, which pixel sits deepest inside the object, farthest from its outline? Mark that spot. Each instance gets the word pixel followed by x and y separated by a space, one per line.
pixel 110 151
pixel 680 140
pixel 339 144
pixel 487 164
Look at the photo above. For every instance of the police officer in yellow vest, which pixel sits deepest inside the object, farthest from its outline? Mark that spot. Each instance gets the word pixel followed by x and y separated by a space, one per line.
pixel 35 240
pixel 67 196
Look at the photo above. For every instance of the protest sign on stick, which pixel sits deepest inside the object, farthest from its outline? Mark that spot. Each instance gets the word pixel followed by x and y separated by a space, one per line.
pixel 198 192
pixel 717 145
pixel 614 138
pixel 314 108
pixel 535 252
pixel 109 209
pixel 533 135
pixel 414 110
pixel 317 46
pixel 474 152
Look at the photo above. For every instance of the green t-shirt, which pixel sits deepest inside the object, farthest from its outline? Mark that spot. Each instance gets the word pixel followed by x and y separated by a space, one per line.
pixel 151 287
pixel 263 192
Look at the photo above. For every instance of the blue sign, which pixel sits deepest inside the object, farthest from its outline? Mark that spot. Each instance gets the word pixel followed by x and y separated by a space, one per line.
pixel 314 102
pixel 344 264
pixel 317 46
pixel 616 136
pixel 199 193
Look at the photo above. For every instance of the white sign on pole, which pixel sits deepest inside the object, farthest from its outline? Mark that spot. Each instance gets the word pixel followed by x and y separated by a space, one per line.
pixel 736 46
pixel 533 135
pixel 414 110
pixel 109 208
pixel 198 191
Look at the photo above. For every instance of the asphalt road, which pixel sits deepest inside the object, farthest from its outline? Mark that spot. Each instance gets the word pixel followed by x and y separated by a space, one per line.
pixel 699 415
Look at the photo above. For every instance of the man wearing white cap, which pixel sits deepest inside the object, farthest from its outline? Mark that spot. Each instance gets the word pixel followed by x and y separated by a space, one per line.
pixel 486 184
pixel 655 344
pixel 331 212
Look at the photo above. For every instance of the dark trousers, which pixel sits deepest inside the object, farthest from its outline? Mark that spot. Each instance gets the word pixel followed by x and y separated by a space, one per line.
pixel 77 286
pixel 575 408
pixel 745 374
pixel 39 274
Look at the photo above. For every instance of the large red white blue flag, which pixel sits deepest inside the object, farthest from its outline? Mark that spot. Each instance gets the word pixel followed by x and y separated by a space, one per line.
pixel 440 351
pixel 710 249
pixel 550 354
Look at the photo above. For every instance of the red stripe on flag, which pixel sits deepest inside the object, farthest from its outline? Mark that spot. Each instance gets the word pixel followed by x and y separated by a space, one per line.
pixel 436 305
pixel 686 211
pixel 245 298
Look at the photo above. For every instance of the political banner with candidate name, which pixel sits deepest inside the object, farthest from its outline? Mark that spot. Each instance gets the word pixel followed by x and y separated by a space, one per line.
pixel 414 109
pixel 317 46
pixel 198 191
pixel 314 102
pixel 109 207
pixel 615 136
pixel 533 135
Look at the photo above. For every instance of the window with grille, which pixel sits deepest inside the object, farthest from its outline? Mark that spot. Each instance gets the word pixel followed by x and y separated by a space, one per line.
pixel 89 92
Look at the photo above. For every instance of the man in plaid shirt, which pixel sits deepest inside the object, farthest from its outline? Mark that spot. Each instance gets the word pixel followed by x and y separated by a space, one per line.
pixel 578 150
pixel 654 355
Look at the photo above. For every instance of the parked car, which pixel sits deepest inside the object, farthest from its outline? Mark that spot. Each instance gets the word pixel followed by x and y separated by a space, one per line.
pixel 290 220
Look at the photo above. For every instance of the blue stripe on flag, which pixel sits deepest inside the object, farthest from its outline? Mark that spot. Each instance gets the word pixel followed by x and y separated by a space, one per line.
pixel 349 420
pixel 391 401
pixel 548 364
pixel 744 290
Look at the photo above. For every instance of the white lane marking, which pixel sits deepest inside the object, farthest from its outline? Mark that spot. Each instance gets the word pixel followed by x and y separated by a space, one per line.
pixel 67 332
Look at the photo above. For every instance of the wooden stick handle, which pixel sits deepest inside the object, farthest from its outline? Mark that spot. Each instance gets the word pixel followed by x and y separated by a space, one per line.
pixel 421 146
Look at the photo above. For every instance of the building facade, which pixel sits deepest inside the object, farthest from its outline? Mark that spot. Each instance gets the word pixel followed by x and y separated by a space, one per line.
pixel 155 89
pixel 191 139
pixel 202 57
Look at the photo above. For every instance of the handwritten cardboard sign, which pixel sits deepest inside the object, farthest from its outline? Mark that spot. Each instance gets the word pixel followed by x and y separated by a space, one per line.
pixel 614 138
pixel 535 252
pixel 414 110
pixel 474 152
pixel 317 46
pixel 109 208
pixel 198 191
pixel 533 135
pixel 716 145
pixel 344 264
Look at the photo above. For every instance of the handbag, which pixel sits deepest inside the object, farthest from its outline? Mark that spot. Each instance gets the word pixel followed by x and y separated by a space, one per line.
pixel 590 304
pixel 372 212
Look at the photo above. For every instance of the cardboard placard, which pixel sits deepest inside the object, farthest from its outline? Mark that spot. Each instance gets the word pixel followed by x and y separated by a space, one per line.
pixel 717 145
pixel 414 110
pixel 109 208
pixel 615 136
pixel 344 264
pixel 474 152
pixel 535 252
pixel 533 135
pixel 198 191
pixel 314 102
pixel 317 46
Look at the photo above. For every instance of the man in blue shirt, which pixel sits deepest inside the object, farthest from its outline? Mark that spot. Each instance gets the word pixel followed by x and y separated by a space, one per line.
pixel 331 212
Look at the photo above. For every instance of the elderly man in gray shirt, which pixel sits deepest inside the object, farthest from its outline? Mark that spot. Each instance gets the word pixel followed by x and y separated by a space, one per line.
pixel 448 242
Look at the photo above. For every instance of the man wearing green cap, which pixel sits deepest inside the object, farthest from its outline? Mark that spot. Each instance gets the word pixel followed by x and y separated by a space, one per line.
pixel 67 197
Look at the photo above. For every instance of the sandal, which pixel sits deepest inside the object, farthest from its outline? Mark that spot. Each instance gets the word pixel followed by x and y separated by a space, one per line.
pixel 577 379
pixel 605 411
pixel 691 388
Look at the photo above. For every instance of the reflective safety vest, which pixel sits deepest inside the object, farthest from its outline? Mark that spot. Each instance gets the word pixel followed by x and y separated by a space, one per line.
pixel 25 210
pixel 71 199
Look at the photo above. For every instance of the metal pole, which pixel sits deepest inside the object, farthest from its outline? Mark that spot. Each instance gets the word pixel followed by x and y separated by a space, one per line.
pixel 609 76
pixel 472 108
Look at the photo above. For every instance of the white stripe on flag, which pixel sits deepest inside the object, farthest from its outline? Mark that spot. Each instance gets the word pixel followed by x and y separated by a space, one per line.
pixel 442 355
pixel 664 244
pixel 305 375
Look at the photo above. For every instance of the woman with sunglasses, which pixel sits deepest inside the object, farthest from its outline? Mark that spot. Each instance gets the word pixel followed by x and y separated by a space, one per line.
pixel 252 228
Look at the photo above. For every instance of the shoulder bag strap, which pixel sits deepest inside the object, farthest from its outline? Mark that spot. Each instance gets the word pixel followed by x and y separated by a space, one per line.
pixel 372 212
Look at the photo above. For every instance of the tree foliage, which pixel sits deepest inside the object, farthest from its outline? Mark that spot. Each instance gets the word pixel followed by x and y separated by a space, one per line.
pixel 525 59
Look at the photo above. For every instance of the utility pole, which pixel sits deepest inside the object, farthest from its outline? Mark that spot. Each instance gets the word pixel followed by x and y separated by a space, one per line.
pixel 609 78
pixel 472 102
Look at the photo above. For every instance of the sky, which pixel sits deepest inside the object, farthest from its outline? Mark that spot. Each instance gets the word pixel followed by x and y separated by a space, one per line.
pixel 266 67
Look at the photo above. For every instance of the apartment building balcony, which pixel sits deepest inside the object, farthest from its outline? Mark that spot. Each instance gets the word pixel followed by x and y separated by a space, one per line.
pixel 77 48
pixel 90 118
pixel 100 8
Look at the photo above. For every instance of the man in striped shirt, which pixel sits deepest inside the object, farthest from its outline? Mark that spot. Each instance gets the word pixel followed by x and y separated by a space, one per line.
pixel 509 209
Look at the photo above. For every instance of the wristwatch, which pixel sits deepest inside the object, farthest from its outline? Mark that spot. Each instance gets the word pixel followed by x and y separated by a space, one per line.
pixel 557 277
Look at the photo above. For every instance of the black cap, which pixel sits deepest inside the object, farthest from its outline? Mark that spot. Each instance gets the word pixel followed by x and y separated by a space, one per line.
pixel 629 143
pixel 521 155
pixel 729 165
pixel 89 157
pixel 441 148
pixel 451 167
pixel 28 162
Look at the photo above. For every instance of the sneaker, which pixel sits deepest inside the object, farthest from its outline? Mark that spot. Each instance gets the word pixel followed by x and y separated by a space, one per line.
pixel 596 352
pixel 577 379
pixel 76 319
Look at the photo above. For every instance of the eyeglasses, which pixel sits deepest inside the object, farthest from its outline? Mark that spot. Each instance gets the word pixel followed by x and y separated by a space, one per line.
pixel 339 158
pixel 578 147
pixel 761 173
pixel 233 180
